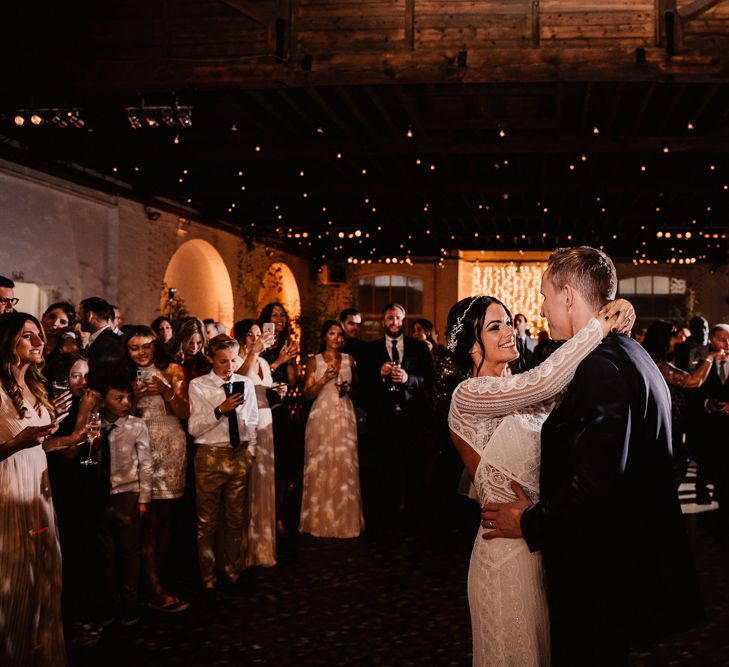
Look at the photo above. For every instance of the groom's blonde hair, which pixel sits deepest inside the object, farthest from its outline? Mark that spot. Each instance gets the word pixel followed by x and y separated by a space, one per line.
pixel 587 270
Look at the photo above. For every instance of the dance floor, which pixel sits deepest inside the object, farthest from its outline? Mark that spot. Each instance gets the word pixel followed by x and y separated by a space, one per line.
pixel 400 601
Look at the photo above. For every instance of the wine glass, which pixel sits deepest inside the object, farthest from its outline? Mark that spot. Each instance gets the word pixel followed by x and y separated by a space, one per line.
pixel 59 387
pixel 93 430
pixel 394 366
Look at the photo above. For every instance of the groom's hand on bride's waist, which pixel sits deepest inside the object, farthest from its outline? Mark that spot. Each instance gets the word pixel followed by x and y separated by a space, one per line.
pixel 504 519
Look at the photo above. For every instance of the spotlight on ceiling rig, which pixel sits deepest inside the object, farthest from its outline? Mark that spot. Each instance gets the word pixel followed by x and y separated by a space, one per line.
pixel 75 119
pixel 58 120
pixel 184 116
pixel 134 116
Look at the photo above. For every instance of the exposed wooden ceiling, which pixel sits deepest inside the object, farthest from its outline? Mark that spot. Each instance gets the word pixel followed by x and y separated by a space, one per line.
pixel 534 124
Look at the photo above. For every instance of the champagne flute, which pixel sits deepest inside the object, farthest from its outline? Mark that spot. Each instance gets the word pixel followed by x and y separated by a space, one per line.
pixel 394 366
pixel 93 430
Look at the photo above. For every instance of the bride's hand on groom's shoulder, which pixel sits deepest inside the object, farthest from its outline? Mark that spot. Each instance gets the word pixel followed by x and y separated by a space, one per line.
pixel 617 316
pixel 504 519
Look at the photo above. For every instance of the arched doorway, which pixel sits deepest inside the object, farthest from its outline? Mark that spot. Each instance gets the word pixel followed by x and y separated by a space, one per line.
pixel 199 274
pixel 280 285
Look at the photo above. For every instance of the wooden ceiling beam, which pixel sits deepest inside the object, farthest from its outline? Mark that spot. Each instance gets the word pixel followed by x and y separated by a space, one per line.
pixel 546 64
pixel 694 9
pixel 256 11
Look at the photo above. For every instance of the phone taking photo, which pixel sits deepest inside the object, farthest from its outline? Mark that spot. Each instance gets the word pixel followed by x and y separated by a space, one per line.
pixel 269 327
pixel 239 387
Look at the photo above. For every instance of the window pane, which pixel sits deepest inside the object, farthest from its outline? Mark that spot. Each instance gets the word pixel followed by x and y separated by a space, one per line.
pixel 416 283
pixel 382 298
pixel 398 281
pixel 366 297
pixel 382 281
pixel 415 301
pixel 677 286
pixel 644 285
pixel 627 286
pixel 399 294
pixel 660 285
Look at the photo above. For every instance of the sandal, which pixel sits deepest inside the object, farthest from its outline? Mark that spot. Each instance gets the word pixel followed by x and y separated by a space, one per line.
pixel 174 606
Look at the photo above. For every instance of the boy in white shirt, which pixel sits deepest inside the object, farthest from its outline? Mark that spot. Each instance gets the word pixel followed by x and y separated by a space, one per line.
pixel 224 422
pixel 125 481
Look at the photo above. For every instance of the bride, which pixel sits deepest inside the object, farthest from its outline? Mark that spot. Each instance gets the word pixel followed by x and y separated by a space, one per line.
pixel 495 421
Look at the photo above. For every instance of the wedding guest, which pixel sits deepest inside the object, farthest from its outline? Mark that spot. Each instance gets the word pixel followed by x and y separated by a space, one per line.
pixel 160 395
pixel 117 322
pixel 56 321
pixel 659 342
pixel 105 349
pixel 397 378
pixel 224 423
pixel 693 351
pixel 213 328
pixel 331 505
pixel 351 320
pixel 125 490
pixel 31 630
pixel 162 327
pixel 525 345
pixel 260 534
pixel 74 494
pixel 8 300
pixel 287 432
pixel 188 348
pixel 545 347
pixel 688 356
pixel 710 411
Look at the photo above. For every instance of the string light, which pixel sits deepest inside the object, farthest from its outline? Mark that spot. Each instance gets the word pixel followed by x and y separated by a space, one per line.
pixel 518 285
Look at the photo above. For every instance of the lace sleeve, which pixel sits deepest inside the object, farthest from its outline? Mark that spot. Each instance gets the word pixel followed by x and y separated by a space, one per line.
pixel 494 396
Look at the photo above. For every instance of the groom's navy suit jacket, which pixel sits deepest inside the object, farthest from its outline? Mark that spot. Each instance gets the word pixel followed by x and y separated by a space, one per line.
pixel 609 524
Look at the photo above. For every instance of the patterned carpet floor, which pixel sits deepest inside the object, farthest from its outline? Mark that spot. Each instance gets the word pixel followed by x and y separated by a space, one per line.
pixel 395 602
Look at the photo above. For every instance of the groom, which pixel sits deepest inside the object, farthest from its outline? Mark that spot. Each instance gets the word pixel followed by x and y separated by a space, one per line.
pixel 608 523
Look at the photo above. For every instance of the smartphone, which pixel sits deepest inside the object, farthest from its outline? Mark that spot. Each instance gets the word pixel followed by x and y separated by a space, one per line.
pixel 239 388
pixel 269 327
pixel 142 376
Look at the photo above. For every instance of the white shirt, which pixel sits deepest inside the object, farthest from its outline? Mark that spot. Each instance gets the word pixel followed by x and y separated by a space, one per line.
pixel 399 343
pixel 207 393
pixel 96 334
pixel 131 457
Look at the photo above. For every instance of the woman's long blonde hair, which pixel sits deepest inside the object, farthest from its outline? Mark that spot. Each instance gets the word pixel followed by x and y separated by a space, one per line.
pixel 11 328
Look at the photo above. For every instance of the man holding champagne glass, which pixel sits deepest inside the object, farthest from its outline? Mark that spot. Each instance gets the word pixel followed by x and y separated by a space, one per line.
pixel 396 376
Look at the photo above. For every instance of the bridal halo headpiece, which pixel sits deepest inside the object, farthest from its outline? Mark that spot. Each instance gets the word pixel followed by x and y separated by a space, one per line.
pixel 458 326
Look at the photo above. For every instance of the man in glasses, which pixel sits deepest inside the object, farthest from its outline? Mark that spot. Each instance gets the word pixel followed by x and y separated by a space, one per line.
pixel 7 295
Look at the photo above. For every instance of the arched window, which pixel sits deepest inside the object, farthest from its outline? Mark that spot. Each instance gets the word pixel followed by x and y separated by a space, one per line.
pixel 375 292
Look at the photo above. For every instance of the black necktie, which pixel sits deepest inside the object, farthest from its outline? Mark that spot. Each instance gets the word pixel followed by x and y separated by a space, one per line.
pixel 232 419
pixel 105 461
pixel 395 353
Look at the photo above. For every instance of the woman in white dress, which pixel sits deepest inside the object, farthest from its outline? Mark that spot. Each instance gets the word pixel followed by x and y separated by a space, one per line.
pixel 31 631
pixel 495 420
pixel 260 539
pixel 331 505
pixel 160 399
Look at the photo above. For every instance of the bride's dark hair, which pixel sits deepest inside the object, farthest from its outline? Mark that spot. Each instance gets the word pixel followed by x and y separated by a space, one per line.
pixel 466 319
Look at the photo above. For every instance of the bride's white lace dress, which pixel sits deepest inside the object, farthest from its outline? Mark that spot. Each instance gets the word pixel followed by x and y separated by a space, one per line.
pixel 501 419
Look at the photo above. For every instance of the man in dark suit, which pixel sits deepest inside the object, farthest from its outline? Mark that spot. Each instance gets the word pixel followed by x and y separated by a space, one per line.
pixel 351 320
pixel 525 345
pixel 105 349
pixel 709 408
pixel 396 375
pixel 608 523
